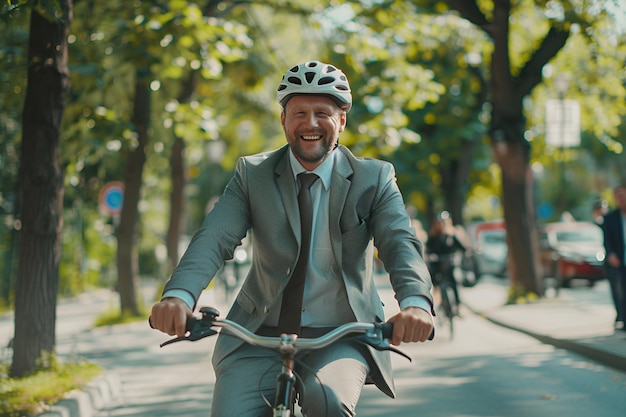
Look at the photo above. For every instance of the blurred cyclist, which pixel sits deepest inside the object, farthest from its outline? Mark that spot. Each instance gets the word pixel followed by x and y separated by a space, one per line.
pixel 442 246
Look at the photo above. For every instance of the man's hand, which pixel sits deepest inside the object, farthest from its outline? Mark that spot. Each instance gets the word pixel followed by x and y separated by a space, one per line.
pixel 412 324
pixel 613 260
pixel 170 316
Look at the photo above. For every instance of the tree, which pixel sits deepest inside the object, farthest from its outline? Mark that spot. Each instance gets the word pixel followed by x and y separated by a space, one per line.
pixel 509 87
pixel 513 78
pixel 127 261
pixel 41 181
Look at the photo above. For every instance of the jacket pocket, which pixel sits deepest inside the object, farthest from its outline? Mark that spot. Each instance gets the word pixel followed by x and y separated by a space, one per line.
pixel 356 240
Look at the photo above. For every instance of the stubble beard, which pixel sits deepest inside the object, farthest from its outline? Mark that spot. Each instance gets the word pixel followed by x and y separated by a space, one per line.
pixel 316 155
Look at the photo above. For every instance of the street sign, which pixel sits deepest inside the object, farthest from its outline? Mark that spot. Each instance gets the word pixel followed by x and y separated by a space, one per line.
pixel 562 123
pixel 111 198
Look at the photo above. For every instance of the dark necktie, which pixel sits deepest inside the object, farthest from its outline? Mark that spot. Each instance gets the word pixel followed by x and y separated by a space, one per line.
pixel 291 308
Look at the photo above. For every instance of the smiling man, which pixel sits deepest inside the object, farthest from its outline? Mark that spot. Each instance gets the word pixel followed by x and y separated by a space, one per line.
pixel 314 211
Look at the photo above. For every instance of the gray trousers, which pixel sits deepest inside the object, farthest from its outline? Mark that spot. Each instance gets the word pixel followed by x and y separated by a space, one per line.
pixel 332 377
pixel 617 280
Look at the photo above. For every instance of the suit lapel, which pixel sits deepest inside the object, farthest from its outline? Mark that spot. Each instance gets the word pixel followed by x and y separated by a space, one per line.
pixel 287 187
pixel 340 185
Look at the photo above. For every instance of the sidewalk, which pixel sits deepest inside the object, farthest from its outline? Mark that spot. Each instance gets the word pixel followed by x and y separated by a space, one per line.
pixel 142 379
pixel 584 326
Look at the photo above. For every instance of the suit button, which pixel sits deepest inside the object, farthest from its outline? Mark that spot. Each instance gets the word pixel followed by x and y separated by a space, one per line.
pixel 266 309
pixel 288 271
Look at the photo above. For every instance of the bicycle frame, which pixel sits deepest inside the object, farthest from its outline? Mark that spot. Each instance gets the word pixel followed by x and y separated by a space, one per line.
pixel 285 398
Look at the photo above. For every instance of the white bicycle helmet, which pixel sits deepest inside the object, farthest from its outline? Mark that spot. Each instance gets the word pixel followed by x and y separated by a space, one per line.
pixel 315 77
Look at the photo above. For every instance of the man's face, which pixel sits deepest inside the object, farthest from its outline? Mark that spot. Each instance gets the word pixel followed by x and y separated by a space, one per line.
pixel 312 125
pixel 620 198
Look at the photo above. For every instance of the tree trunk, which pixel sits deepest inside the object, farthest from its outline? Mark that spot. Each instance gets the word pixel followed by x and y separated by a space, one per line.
pixel 519 216
pixel 179 179
pixel 177 202
pixel 41 181
pixel 127 257
pixel 512 153
pixel 454 180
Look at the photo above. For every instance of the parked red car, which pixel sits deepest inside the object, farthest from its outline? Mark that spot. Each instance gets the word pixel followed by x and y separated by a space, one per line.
pixel 571 250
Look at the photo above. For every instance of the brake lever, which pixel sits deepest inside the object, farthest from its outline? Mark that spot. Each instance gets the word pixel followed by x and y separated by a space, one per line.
pixel 198 329
pixel 381 345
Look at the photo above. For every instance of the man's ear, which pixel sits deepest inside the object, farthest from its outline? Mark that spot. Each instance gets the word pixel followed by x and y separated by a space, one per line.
pixel 343 118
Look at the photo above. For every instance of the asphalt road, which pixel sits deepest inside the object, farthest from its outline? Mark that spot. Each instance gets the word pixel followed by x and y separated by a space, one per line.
pixel 490 371
pixel 486 370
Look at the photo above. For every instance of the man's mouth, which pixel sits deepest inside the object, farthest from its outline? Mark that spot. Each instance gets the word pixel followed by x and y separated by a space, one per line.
pixel 311 137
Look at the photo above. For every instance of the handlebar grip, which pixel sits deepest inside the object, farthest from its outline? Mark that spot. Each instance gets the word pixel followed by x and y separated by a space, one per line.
pixel 387 329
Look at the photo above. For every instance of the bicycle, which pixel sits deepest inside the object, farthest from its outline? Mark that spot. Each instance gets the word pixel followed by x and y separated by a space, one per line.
pixel 375 335
pixel 444 280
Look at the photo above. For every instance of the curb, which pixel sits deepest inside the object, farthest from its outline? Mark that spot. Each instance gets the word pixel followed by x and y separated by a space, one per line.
pixel 98 394
pixel 601 356
pixel 598 355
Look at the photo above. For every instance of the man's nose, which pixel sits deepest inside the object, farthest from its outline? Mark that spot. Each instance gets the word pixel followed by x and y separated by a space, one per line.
pixel 312 119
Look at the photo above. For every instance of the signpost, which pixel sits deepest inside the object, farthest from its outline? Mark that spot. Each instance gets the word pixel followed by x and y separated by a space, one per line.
pixel 562 129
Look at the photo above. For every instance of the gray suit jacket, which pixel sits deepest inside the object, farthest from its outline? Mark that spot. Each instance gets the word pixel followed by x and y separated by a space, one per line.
pixel 365 207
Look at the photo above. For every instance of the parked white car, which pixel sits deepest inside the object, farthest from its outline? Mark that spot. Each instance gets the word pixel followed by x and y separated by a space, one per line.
pixel 490 250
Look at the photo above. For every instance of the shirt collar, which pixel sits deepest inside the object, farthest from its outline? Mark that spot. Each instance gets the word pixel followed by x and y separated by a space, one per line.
pixel 324 170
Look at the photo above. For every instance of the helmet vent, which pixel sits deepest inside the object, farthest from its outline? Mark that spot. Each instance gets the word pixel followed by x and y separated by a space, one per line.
pixel 325 80
pixel 295 80
pixel 309 76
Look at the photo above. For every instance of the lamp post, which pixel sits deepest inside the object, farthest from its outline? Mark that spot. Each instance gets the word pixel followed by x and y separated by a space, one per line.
pixel 561 84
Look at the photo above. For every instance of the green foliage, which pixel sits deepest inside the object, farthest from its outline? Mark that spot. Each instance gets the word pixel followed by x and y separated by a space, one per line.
pixel 88 256
pixel 419 94
pixel 418 75
pixel 49 384
pixel 592 61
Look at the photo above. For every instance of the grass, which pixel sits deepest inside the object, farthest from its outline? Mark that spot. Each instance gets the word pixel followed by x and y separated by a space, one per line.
pixel 113 315
pixel 21 397
pixel 52 381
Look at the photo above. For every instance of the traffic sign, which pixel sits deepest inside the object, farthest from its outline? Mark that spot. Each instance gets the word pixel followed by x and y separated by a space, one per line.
pixel 111 198
pixel 562 123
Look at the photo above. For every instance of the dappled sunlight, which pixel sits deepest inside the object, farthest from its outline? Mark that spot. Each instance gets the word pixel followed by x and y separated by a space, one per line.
pixel 493 384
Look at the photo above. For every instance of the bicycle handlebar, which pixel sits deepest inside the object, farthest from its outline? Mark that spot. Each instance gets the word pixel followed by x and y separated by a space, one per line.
pixel 373 334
